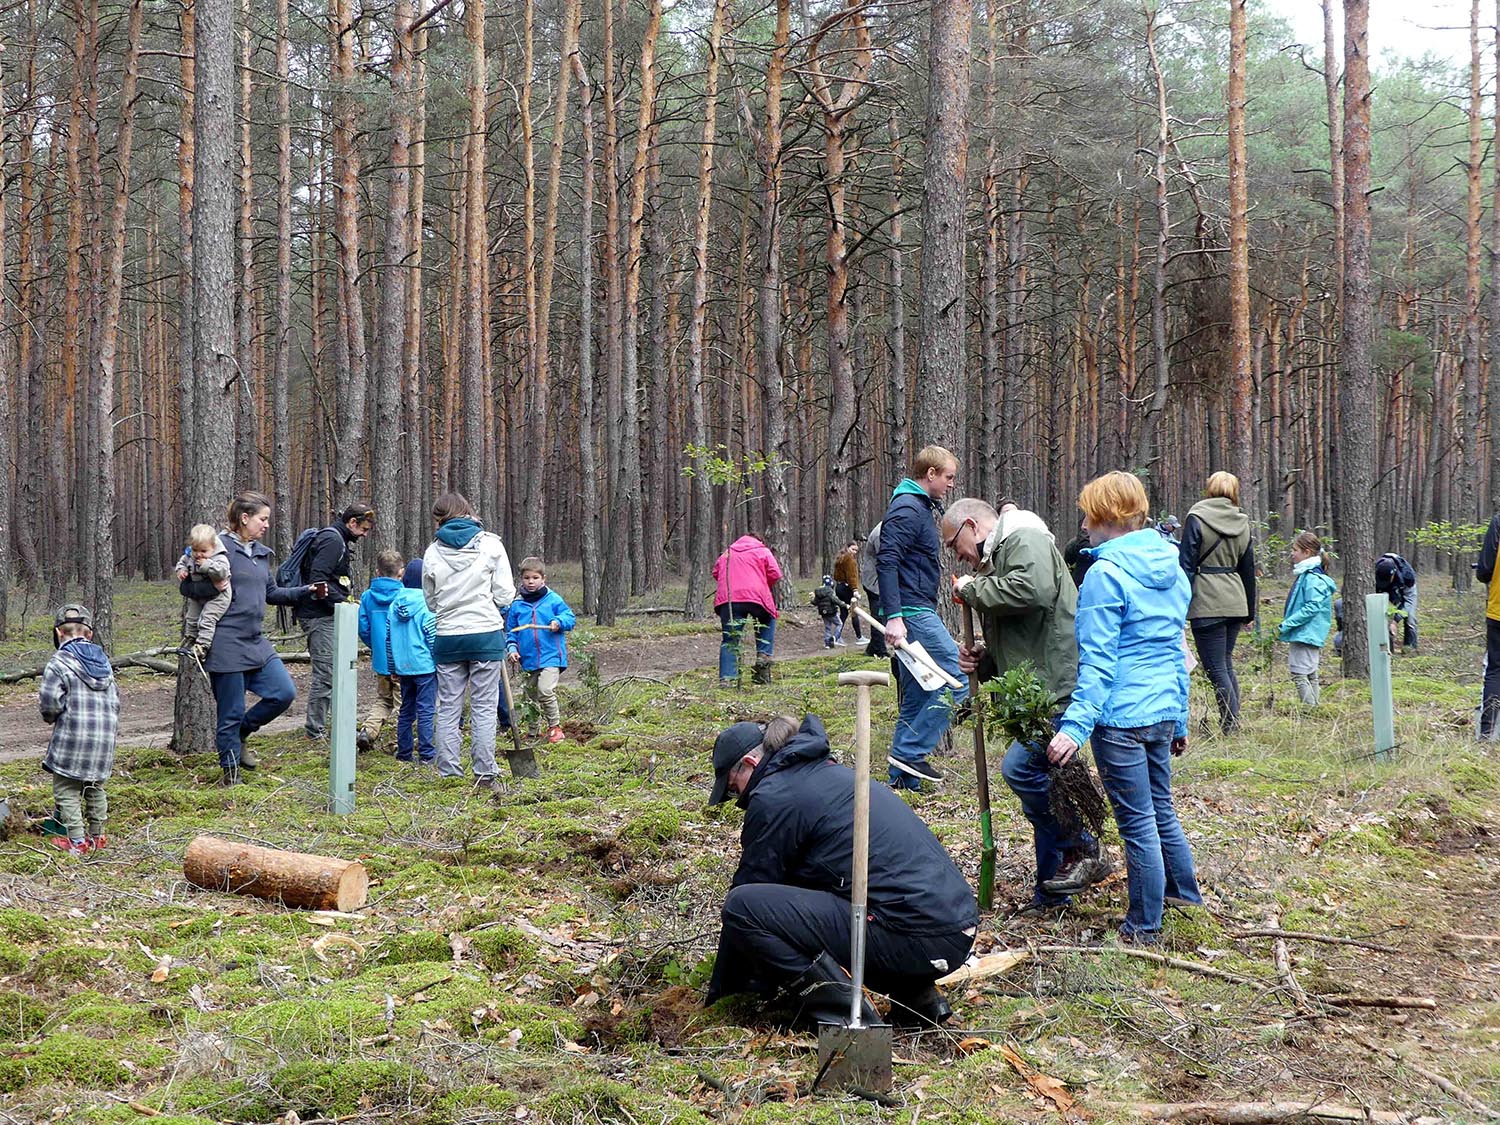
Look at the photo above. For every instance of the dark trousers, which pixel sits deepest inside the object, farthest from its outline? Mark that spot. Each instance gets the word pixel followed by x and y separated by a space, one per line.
pixel 276 690
pixel 1214 638
pixel 773 933
pixel 844 592
pixel 876 647
pixel 418 708
pixel 1490 707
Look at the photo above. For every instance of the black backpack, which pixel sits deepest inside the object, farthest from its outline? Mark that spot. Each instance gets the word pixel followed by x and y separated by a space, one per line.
pixel 293 570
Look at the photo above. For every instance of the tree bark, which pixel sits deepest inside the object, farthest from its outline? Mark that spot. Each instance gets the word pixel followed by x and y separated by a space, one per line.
pixel 472 472
pixel 281 468
pixel 8 383
pixel 587 470
pixel 1244 421
pixel 295 879
pixel 354 383
pixel 1473 340
pixel 246 468
pixel 942 366
pixel 1356 392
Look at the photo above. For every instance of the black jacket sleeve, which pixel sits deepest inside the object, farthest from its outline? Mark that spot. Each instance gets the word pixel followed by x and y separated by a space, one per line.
pixel 1486 568
pixel 1192 543
pixel 1247 576
pixel 325 563
pixel 769 843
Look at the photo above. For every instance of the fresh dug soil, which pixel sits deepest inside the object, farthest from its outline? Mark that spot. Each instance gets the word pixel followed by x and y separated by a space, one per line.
pixel 663 1019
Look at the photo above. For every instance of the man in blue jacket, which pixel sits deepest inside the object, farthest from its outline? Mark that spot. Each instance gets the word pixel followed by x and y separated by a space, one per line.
pixel 786 918
pixel 909 565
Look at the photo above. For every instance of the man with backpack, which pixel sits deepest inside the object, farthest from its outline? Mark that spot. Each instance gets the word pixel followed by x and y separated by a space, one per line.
pixel 322 555
pixel 1395 578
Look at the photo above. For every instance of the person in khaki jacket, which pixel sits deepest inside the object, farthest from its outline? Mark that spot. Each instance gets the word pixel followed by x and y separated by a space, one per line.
pixel 1219 558
pixel 1026 602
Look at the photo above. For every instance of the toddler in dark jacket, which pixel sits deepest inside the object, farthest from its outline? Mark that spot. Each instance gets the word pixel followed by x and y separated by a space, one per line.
pixel 826 602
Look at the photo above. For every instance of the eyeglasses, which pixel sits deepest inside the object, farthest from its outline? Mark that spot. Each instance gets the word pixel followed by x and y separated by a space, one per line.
pixel 952 544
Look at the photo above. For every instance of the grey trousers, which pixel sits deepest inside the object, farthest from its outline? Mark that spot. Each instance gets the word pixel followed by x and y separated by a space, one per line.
pixel 77 800
pixel 319 631
pixel 1303 663
pixel 481 680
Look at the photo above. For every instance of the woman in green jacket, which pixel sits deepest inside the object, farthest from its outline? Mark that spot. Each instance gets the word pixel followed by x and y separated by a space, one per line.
pixel 1219 558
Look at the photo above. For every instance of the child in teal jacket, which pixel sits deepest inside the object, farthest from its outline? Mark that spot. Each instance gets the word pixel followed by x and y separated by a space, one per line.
pixel 535 636
pixel 1308 615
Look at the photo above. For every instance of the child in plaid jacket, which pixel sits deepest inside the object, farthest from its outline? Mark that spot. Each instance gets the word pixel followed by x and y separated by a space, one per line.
pixel 79 699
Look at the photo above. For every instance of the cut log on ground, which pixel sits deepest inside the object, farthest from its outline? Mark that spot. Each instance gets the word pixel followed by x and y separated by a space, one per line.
pixel 310 882
pixel 1265 1113
pixel 990 965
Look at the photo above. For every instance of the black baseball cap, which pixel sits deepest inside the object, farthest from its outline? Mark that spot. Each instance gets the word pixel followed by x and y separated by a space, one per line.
pixel 732 744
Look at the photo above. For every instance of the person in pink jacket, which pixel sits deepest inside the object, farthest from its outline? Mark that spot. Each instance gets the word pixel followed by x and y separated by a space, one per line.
pixel 745 574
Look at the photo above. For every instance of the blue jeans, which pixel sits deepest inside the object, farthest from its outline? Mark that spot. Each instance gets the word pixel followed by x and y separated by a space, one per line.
pixel 419 706
pixel 732 617
pixel 276 690
pixel 924 715
pixel 1135 765
pixel 1025 771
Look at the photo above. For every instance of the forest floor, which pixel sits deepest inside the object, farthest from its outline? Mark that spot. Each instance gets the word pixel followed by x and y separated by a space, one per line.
pixel 538 957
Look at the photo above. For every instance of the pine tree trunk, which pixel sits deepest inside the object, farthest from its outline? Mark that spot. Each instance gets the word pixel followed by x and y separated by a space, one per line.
pixel 1356 392
pixel 281 468
pixel 1493 388
pixel 1245 429
pixel 897 423
pixel 472 472
pixel 189 408
pixel 587 449
pixel 942 361
pixel 246 460
pixel 354 382
pixel 419 452
pixel 1146 449
pixel 1473 340
pixel 8 418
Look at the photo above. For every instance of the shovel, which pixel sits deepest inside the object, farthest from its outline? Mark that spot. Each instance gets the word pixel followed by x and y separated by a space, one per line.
pixel 982 778
pixel 522 760
pixel 858 1055
pixel 918 661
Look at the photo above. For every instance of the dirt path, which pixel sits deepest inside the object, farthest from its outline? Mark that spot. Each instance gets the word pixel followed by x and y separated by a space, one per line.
pixel 146 700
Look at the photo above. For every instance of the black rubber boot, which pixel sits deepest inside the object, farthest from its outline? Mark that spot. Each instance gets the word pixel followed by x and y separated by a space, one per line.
pixel 761 674
pixel 924 1008
pixel 522 763
pixel 823 994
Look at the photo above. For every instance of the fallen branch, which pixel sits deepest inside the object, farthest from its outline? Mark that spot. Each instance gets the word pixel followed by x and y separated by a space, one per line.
pixel 1425 1003
pixel 1300 935
pixel 1476 937
pixel 1283 959
pixel 1468 1101
pixel 1160 958
pixel 1262 1113
pixel 990 965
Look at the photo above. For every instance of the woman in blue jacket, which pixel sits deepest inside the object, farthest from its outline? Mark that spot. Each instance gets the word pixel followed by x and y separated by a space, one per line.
pixel 1308 614
pixel 1132 693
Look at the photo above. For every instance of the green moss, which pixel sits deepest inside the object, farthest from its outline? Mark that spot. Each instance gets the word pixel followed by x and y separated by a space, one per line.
pixel 64 1057
pixel 316 1088
pixel 22 925
pixel 503 947
pixel 415 945
pixel 124 1115
pixel 472 1102
pixel 313 1024
pixel 656 824
pixel 12 957
pixel 21 1015
pixel 112 1017
pixel 66 963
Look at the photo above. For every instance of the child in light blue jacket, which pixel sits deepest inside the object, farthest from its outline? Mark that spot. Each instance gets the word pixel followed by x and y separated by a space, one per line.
pixel 412 629
pixel 1308 615
pixel 535 636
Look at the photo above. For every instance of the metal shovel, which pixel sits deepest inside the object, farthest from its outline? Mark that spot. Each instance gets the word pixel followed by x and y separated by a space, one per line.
pixel 859 1054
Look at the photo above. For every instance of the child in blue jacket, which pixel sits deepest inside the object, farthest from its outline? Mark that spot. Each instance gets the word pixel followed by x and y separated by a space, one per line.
pixel 412 628
pixel 374 606
pixel 534 628
pixel 1308 614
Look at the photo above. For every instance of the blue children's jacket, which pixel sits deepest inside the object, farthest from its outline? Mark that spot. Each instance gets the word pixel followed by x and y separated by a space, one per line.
pixel 1131 611
pixel 413 628
pixel 374 605
pixel 1309 605
pixel 539 647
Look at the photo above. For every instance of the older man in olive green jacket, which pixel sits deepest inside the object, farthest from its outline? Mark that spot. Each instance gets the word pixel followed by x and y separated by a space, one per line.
pixel 1026 602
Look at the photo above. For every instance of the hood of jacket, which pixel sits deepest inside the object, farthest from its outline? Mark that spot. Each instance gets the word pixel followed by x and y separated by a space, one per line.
pixel 89 661
pixel 1010 523
pixel 383 590
pixel 411 577
pixel 1144 556
pixel 458 532
pixel 809 744
pixel 1305 565
pixel 408 603
pixel 1225 519
pixel 909 487
pixel 745 543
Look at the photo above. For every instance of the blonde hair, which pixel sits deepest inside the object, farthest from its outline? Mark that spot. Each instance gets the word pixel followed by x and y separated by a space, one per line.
pixel 204 535
pixel 1117 498
pixel 1226 485
pixel 931 457
pixel 532 564
pixel 1310 544
pixel 389 563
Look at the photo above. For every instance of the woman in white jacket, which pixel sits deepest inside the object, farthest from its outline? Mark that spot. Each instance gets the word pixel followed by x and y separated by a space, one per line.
pixel 467 583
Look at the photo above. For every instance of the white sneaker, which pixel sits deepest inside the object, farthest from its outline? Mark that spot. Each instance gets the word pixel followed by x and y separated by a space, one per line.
pixel 840 644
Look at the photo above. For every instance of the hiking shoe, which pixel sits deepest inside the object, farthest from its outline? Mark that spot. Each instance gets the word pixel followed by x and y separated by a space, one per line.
pixel 229 775
pixel 486 785
pixel 555 734
pixel 1042 909
pixel 1078 873
pixel 827 644
pixel 926 1008
pixel 400 757
pixel 921 769
pixel 249 760
pixel 79 848
pixel 363 742
pixel 1139 938
pixel 840 644
pixel 97 843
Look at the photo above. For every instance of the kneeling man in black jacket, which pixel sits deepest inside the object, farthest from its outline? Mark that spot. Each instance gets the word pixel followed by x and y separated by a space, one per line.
pixel 786 920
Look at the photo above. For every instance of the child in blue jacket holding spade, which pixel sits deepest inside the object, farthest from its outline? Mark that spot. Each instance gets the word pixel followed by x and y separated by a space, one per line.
pixel 411 631
pixel 535 626
pixel 1308 615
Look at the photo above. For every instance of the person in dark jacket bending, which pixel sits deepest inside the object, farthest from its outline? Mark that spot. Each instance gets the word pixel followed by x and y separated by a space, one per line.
pixel 328 563
pixel 786 919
